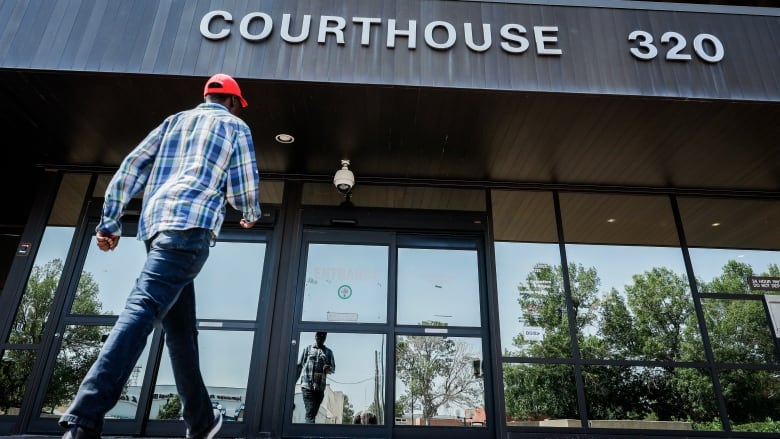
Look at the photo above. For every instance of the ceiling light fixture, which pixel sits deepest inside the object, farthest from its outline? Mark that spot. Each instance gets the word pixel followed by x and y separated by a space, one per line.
pixel 715 224
pixel 611 220
pixel 285 138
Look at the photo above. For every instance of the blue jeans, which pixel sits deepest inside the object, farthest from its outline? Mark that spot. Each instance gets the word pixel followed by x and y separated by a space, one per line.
pixel 163 291
pixel 311 403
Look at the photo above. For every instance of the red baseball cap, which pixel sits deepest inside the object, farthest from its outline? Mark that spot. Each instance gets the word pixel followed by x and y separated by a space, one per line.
pixel 224 84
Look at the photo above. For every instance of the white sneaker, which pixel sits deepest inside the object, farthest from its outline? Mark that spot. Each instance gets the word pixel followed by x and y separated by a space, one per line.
pixel 212 430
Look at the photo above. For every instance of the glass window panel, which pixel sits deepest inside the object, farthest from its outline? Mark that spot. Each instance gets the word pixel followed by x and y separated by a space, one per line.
pixel 271 192
pixel 532 304
pixel 439 381
pixel 15 369
pixel 101 184
pixel 618 219
pixel 729 270
pixel 224 364
pixel 228 286
pixel 408 197
pixel 33 311
pixel 112 274
pixel 633 303
pixel 731 223
pixel 80 347
pixel 751 399
pixel 739 331
pixel 70 199
pixel 357 384
pixel 540 395
pixel 438 287
pixel 523 216
pixel 346 283
pixel 653 398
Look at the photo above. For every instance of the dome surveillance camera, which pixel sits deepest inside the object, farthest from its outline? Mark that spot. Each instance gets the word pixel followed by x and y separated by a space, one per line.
pixel 344 180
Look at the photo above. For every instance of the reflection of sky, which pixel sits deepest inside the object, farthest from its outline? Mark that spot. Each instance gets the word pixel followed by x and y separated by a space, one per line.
pixel 54 245
pixel 347 281
pixel 708 263
pixel 615 265
pixel 438 285
pixel 224 359
pixel 355 366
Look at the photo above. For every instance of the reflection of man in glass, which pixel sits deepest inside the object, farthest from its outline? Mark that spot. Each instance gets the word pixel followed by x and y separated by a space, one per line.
pixel 316 362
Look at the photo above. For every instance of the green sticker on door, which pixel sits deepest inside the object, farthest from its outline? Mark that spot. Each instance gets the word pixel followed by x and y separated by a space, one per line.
pixel 345 292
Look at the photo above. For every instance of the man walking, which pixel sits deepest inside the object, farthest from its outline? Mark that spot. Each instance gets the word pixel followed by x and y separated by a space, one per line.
pixel 189 167
pixel 316 363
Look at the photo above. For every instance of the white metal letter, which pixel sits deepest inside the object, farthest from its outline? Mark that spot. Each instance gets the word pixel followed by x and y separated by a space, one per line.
pixel 268 24
pixel 541 40
pixel 675 52
pixel 304 29
pixel 449 28
pixel 513 33
pixel 646 42
pixel 206 21
pixel 487 41
pixel 698 47
pixel 392 32
pixel 365 23
pixel 337 29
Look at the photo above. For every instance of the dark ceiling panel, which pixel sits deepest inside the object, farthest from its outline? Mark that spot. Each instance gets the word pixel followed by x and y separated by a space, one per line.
pixel 458 136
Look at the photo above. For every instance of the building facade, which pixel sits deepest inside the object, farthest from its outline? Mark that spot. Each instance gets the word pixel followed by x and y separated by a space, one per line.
pixel 564 219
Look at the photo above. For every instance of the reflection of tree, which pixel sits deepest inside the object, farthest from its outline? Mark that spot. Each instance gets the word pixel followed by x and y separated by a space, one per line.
pixel 537 391
pixel 348 411
pixel 651 320
pixel 172 408
pixel 15 367
pixel 739 333
pixel 80 343
pixel 437 372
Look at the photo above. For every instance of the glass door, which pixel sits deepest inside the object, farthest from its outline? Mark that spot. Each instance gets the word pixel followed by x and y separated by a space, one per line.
pixel 391 337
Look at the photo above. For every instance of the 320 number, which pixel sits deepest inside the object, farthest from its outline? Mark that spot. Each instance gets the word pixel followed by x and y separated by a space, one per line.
pixel 647 49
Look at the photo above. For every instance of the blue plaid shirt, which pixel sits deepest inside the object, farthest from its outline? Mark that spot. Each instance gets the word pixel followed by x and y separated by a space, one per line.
pixel 189 167
pixel 312 364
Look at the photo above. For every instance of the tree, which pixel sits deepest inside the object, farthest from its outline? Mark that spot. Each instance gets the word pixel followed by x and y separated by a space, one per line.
pixel 739 333
pixel 348 411
pixel 653 319
pixel 80 343
pixel 172 408
pixel 437 372
pixel 537 391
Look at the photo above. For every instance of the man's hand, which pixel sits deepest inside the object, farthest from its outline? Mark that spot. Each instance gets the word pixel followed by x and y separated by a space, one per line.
pixel 107 242
pixel 246 224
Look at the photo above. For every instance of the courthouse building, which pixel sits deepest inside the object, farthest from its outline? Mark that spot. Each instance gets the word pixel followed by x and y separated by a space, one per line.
pixel 555 219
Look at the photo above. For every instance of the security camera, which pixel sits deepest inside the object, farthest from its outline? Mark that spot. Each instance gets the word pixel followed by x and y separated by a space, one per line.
pixel 344 180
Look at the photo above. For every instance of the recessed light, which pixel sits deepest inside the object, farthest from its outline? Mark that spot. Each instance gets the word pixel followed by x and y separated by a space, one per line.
pixel 285 138
pixel 715 224
pixel 611 220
